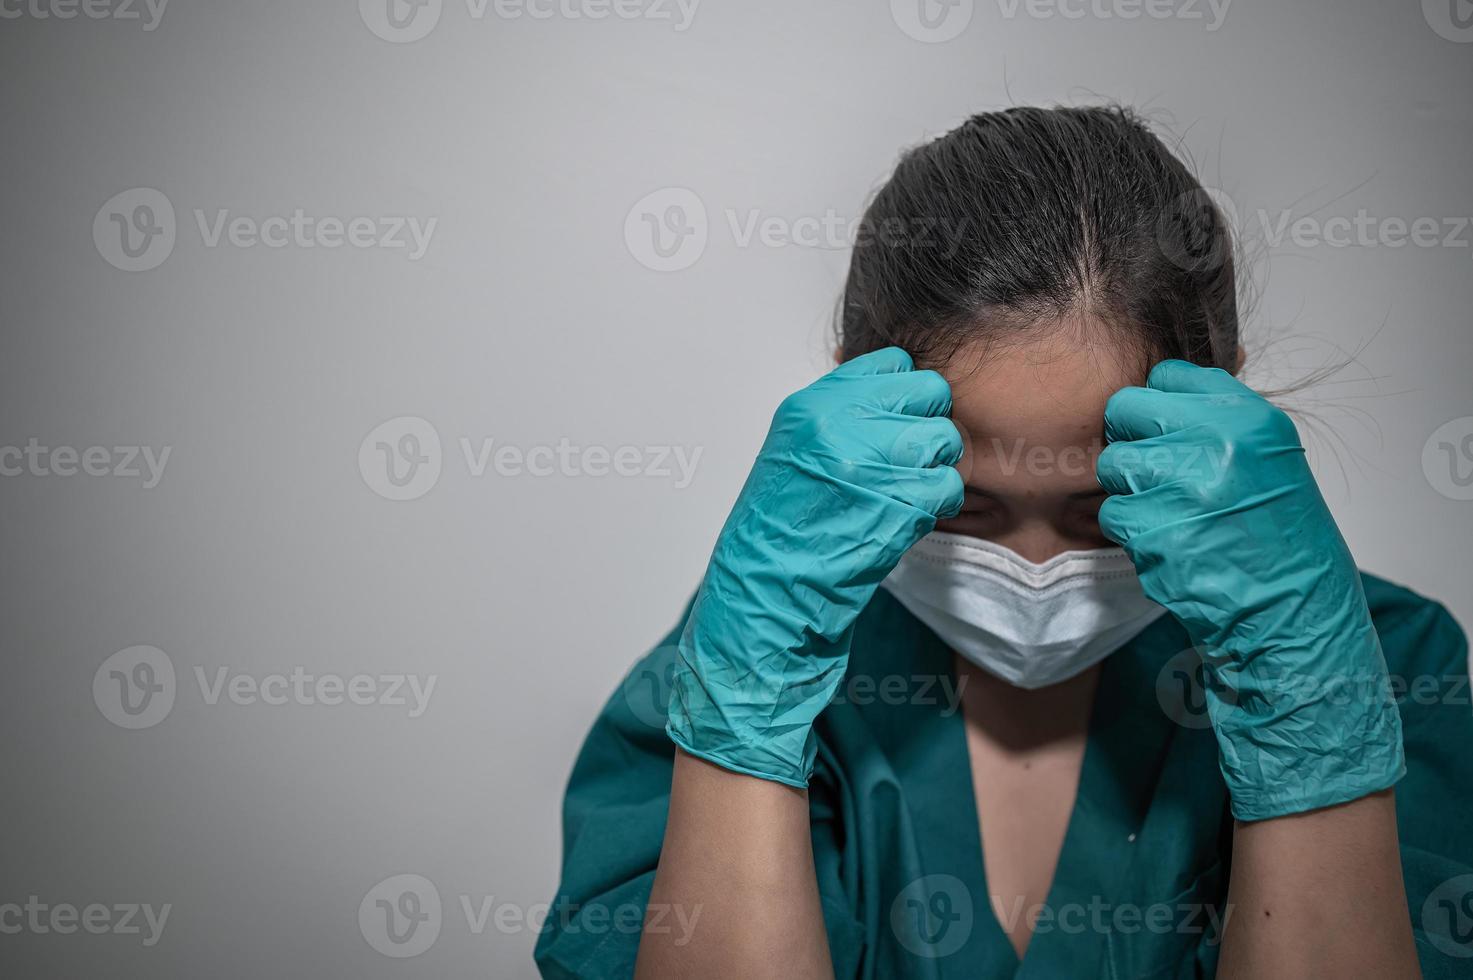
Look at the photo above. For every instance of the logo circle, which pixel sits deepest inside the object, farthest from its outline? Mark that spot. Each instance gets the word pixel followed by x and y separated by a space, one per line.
pixel 932 916
pixel 1447 459
pixel 134 688
pixel 400 21
pixel 1196 231
pixel 1447 916
pixel 647 690
pixel 401 458
pixel 932 21
pixel 666 230
pixel 134 230
pixel 1451 19
pixel 1181 690
pixel 400 916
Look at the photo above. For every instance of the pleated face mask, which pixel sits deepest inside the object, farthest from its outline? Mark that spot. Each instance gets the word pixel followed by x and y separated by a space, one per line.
pixel 1031 625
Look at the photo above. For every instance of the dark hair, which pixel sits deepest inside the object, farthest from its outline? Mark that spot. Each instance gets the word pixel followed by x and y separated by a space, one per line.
pixel 1022 216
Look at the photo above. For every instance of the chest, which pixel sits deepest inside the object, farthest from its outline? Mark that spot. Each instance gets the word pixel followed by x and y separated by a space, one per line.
pixel 1086 798
pixel 1024 798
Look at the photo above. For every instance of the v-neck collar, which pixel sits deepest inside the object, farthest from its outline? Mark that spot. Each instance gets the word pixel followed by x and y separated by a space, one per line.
pixel 1129 735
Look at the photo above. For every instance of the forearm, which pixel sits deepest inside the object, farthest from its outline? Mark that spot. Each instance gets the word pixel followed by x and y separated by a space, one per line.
pixel 739 855
pixel 1319 894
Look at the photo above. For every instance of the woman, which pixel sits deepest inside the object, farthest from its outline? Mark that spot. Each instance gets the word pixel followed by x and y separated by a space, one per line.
pixel 925 719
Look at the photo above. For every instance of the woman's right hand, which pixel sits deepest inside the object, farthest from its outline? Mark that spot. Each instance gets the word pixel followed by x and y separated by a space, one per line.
pixel 856 468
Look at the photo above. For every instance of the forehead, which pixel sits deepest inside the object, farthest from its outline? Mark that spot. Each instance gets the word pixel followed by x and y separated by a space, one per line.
pixel 1043 393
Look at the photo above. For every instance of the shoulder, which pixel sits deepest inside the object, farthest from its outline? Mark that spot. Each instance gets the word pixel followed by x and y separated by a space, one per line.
pixel 887 638
pixel 1417 634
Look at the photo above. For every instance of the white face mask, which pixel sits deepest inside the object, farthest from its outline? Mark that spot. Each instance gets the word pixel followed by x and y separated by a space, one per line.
pixel 1031 625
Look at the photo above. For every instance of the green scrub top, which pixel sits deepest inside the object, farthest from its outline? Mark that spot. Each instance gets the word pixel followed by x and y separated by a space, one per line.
pixel 1142 876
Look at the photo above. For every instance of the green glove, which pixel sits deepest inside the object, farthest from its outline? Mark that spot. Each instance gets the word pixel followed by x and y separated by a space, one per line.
pixel 1215 503
pixel 856 468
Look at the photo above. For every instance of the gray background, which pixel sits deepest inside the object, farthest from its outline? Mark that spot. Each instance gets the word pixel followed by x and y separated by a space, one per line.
pixel 531 319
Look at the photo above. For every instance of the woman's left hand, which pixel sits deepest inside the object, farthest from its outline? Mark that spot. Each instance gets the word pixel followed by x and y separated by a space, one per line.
pixel 1214 501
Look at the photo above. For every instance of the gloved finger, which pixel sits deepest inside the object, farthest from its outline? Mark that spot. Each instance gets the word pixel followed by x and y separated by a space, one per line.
pixel 1133 413
pixel 922 443
pixel 1145 413
pixel 1121 517
pixel 1138 465
pixel 938 490
pixel 1188 378
pixel 886 360
pixel 1125 518
pixel 1113 468
pixel 914 393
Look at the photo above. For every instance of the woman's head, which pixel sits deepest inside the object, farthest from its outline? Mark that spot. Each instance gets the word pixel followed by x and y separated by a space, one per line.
pixel 1018 219
pixel 1041 259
